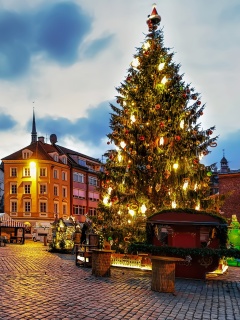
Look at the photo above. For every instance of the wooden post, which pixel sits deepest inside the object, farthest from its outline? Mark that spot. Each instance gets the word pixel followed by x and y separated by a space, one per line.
pixel 163 273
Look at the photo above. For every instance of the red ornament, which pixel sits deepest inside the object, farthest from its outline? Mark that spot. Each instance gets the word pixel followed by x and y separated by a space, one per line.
pixel 126 131
pixel 162 124
pixel 141 138
pixel 194 97
pixel 198 103
pixel 177 138
pixel 157 106
pixel 108 142
pixel 184 95
pixel 196 161
pixel 209 132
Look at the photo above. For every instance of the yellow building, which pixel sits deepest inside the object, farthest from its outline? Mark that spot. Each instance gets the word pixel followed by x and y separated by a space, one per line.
pixel 44 181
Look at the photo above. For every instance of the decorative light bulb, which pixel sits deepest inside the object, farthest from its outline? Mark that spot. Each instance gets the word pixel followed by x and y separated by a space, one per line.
pixel 132 118
pixel 161 66
pixel 174 205
pixel 131 212
pixel 197 207
pixel 120 157
pixel 175 166
pixel 135 63
pixel 109 190
pixel 185 185
pixel 122 144
pixel 105 200
pixel 161 141
pixel 143 208
pixel 164 80
pixel 182 124
pixel 146 45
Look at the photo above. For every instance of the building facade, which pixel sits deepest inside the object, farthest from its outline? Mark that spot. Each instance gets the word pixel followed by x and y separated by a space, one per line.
pixel 44 181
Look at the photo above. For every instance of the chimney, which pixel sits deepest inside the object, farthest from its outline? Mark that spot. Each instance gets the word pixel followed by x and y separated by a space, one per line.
pixel 41 139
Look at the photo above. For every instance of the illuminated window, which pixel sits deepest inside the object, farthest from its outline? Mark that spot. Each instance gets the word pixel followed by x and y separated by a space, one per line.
pixel 26 172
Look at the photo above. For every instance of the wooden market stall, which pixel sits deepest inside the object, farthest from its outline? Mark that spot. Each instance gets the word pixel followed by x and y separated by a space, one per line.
pixel 10 230
pixel 189 229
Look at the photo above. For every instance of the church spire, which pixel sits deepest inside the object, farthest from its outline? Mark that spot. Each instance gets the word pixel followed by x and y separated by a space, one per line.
pixel 34 131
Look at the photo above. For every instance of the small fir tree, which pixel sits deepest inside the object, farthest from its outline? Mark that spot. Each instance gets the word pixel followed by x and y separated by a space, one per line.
pixel 157 142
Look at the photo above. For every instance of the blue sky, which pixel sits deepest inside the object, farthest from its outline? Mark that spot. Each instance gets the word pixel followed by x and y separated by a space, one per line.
pixel 65 59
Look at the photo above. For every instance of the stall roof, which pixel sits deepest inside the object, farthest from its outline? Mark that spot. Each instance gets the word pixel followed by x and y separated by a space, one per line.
pixel 7 221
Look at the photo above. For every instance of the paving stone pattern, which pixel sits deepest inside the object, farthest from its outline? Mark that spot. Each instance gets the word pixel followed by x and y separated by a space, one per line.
pixel 37 284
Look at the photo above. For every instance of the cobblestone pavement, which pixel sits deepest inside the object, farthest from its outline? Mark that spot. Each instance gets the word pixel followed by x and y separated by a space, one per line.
pixel 37 284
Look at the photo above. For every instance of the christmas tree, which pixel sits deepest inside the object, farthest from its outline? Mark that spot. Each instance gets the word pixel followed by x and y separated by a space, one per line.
pixel 157 140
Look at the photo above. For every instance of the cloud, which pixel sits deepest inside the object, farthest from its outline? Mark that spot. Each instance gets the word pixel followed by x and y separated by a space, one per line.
pixel 96 46
pixel 6 122
pixel 90 129
pixel 55 32
pixel 61 28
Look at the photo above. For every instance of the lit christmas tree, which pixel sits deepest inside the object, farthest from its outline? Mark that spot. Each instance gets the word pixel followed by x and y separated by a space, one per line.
pixel 157 141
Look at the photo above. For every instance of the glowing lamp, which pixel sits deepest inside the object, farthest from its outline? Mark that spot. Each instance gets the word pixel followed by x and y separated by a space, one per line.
pixel 135 63
pixel 132 118
pixel 122 144
pixel 146 45
pixel 131 212
pixel 175 166
pixel 182 124
pixel 174 205
pixel 164 80
pixel 161 66
pixel 143 208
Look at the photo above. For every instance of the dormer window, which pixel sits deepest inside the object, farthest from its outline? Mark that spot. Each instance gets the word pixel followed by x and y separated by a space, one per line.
pixel 82 162
pixel 55 157
pixel 63 159
pixel 26 154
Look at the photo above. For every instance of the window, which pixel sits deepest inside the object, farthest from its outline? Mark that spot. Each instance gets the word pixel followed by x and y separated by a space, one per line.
pixel 27 206
pixel 64 176
pixel 93 196
pixel 26 172
pixel 77 193
pixel 64 209
pixel 13 188
pixel 78 177
pixel 55 191
pixel 13 206
pixel 55 174
pixel 43 189
pixel 27 188
pixel 79 209
pixel 43 172
pixel 92 181
pixel 82 162
pixel 64 192
pixel 55 157
pixel 43 206
pixel 64 160
pixel 13 172
pixel 92 212
pixel 26 155
pixel 55 206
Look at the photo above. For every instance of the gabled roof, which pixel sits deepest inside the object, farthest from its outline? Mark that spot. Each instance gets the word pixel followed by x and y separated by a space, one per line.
pixel 39 149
